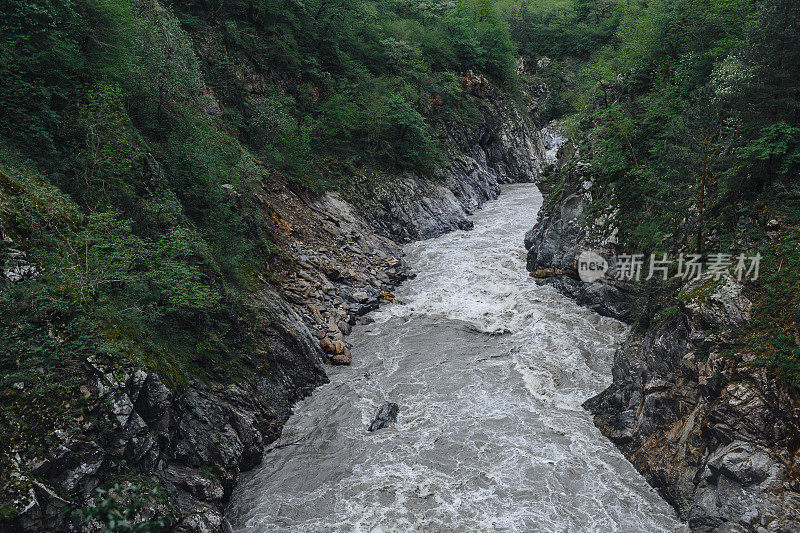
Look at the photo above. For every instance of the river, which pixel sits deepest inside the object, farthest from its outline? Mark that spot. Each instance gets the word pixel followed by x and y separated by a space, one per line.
pixel 489 370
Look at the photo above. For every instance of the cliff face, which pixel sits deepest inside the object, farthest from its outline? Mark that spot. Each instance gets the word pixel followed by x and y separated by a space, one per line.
pixel 710 431
pixel 562 232
pixel 710 428
pixel 343 259
pixel 195 441
pixel 506 148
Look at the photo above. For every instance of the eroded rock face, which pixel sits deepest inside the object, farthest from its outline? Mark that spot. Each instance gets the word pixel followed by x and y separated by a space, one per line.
pixel 711 431
pixel 561 233
pixel 742 488
pixel 196 440
pixel 702 432
pixel 506 149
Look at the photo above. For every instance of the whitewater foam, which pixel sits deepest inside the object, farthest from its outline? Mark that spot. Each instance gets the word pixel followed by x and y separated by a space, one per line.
pixel 490 371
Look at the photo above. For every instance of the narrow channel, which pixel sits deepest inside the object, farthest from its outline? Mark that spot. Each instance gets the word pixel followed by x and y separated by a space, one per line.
pixel 489 370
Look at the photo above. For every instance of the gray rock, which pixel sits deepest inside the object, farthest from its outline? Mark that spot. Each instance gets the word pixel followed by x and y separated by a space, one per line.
pixel 178 437
pixel 385 417
pixel 507 149
pixel 561 233
pixel 199 438
pixel 703 446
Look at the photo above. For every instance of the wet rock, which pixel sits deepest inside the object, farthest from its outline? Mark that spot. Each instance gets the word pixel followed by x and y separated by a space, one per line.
pixel 385 417
pixel 202 487
pixel 507 149
pixel 708 447
pixel 561 233
pixel 361 297
pixel 327 345
pixel 360 310
pixel 344 358
pixel 739 491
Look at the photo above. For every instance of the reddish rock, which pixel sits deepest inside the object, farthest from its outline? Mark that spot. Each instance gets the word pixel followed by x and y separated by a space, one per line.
pixel 387 296
pixel 344 358
pixel 327 345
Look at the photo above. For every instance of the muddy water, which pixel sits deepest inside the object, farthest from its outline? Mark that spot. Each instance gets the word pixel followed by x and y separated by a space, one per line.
pixel 489 370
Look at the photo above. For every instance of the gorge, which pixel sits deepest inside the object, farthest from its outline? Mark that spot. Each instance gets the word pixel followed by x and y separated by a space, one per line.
pixel 489 370
pixel 283 265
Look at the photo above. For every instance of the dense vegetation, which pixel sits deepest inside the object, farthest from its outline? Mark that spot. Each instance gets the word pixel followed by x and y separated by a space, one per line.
pixel 689 111
pixel 131 133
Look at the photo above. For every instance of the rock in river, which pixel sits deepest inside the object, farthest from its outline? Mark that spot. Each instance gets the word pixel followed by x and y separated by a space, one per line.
pixel 386 416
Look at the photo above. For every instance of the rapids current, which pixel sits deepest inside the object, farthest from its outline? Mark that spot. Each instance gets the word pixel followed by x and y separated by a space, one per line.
pixel 490 371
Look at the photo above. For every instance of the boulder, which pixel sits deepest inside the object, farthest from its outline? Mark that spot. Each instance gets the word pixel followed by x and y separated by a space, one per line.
pixel 385 417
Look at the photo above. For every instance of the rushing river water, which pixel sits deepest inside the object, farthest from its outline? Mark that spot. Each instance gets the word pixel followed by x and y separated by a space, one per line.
pixel 490 371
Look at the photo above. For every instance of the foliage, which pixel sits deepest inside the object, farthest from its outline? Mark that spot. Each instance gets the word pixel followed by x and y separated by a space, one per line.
pixel 119 510
pixel 559 29
pixel 361 65
pixel 133 138
pixel 678 138
pixel 47 50
pixel 694 137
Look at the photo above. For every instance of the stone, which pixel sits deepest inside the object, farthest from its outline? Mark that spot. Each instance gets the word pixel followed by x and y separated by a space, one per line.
pixel 339 346
pixel 360 296
pixel 558 238
pixel 224 427
pixel 327 345
pixel 385 417
pixel 344 358
pixel 387 296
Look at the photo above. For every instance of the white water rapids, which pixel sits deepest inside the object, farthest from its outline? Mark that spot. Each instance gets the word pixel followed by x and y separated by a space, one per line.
pixel 490 371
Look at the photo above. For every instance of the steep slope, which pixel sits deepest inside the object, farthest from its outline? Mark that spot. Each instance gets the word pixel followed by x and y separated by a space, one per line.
pixel 180 261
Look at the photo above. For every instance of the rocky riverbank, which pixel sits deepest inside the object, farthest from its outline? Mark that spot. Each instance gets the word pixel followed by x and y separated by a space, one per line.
pixel 708 427
pixel 562 232
pixel 358 261
pixel 341 259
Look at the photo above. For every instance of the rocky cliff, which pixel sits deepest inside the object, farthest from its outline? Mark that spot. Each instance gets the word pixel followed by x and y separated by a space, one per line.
pixel 195 441
pixel 357 262
pixel 562 232
pixel 714 433
pixel 342 260
pixel 506 148
pixel 707 426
